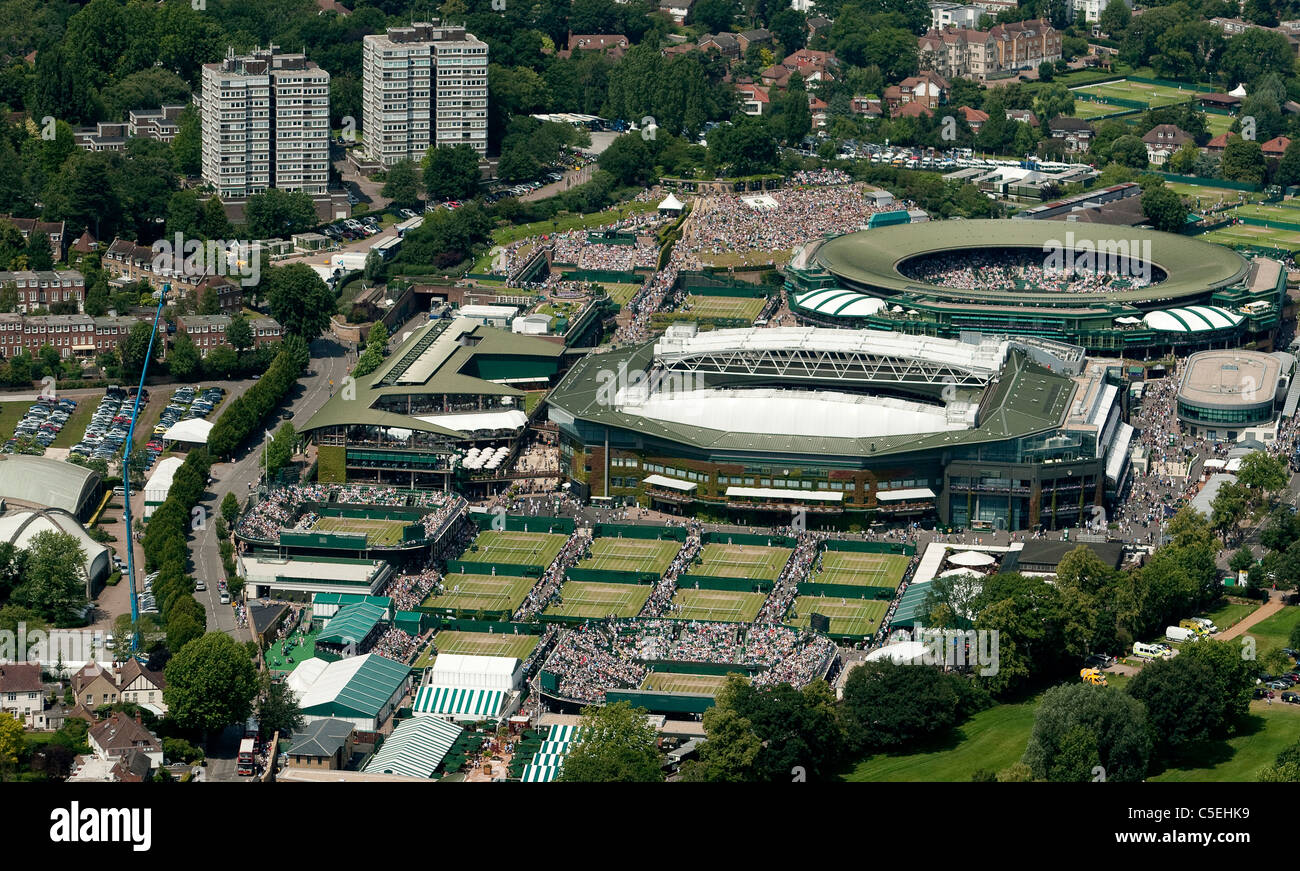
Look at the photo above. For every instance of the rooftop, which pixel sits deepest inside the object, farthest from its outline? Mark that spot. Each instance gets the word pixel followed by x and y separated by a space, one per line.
pixel 1230 378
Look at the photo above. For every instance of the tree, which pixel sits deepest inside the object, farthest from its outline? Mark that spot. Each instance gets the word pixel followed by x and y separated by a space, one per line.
pixel 1115 17
pixel 451 173
pixel 276 213
pixel 1242 560
pixel 1116 723
pixel 54 578
pixel 1183 161
pixel 230 509
pixel 11 743
pixel 280 450
pixel 747 147
pixel 1285 769
pixel 618 746
pixel 1046 71
pixel 1243 161
pixel 1163 207
pixel 1129 151
pixel 1288 168
pixel 1053 100
pixel 184 360
pixel 715 15
pixel 239 334
pixel 300 300
pixel 629 160
pixel 402 184
pixel 789 27
pixel 277 707
pixel 729 754
pixel 136 348
pixel 181 630
pixel 888 706
pixel 1196 695
pixel 211 683
pixel 1263 472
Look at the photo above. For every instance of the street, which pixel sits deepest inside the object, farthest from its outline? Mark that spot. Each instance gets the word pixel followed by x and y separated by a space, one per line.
pixel 330 361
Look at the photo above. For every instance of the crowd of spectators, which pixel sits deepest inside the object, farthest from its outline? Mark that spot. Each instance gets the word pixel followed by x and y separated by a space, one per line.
pixel 397 645
pixel 820 177
pixel 408 590
pixel 588 661
pixel 1022 270
pixel 278 509
pixel 553 578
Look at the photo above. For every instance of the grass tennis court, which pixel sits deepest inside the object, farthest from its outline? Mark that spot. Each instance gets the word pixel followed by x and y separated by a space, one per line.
pixel 723 560
pixel 668 682
pixel 631 555
pixel 620 293
pixel 861 569
pixel 515 548
pixel 745 308
pixel 1208 197
pixel 482 592
pixel 1154 95
pixel 1287 214
pixel 478 644
pixel 722 606
pixel 848 616
pixel 597 601
pixel 378 533
pixel 1244 234
pixel 1087 109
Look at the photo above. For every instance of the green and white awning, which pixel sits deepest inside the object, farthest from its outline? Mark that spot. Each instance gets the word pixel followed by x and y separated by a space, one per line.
pixel 539 774
pixel 459 702
pixel 839 302
pixel 416 748
pixel 559 739
pixel 1192 319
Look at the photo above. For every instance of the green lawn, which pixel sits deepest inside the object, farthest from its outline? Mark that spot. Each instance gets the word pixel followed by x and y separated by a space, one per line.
pixel 563 223
pixel 1276 631
pixel 1242 234
pixel 1231 613
pixel 992 739
pixel 10 414
pixel 1269 729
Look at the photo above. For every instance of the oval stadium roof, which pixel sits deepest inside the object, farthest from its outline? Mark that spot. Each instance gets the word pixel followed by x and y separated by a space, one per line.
pixel 1192 319
pixel 870 258
pixel 46 482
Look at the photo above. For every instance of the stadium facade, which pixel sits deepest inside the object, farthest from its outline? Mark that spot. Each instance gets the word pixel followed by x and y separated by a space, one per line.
pixel 996 433
pixel 1201 295
pixel 1225 395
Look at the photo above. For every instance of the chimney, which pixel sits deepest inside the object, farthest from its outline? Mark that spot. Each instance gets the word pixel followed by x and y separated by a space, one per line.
pixel 138 721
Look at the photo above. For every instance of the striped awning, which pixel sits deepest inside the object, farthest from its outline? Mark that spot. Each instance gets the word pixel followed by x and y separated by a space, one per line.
pixel 559 739
pixel 1192 319
pixel 839 302
pixel 416 748
pixel 458 702
pixel 549 760
pixel 539 774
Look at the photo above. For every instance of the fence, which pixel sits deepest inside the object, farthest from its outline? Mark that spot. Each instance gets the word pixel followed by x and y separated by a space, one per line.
pixel 707 284
pixel 1167 83
pixel 674 666
pixel 615 530
pixel 514 570
pixel 522 522
pixel 870 547
pixel 497 627
pixel 731 585
pixel 845 591
pixel 1265 222
pixel 1208 182
pixel 611 576
pixel 748 538
pixel 607 275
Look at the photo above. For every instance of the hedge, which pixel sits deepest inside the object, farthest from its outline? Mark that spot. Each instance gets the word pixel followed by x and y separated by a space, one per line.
pixel 245 414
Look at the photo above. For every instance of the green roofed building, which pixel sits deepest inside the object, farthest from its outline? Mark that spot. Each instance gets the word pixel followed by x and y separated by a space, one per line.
pixel 997 433
pixel 451 386
pixel 354 629
pixel 416 748
pixel 1165 292
pixel 363 690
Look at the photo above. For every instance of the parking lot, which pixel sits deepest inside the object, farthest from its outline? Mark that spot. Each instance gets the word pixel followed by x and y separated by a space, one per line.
pixel 40 425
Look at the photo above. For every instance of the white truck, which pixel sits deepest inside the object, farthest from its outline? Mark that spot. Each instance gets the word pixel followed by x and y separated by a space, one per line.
pixel 1178 633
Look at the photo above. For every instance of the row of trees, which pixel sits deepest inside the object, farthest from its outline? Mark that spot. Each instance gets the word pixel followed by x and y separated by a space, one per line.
pixel 166 550
pixel 245 413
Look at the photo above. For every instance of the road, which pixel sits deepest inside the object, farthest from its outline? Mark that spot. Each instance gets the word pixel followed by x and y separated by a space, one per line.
pixel 330 361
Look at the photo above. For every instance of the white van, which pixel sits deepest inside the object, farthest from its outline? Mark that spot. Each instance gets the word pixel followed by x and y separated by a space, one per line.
pixel 1179 634
pixel 1151 651
pixel 1206 623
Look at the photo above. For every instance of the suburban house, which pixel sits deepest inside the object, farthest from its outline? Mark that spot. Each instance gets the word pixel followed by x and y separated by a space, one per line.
pixel 975 118
pixel 1275 147
pixel 1163 140
pixel 117 736
pixel 818 26
pixel 758 36
pixel 93 686
pixel 724 43
pixel 677 10
pixel 754 99
pixel 142 686
pixel 1219 143
pixel 866 106
pixel 612 44
pixel 1075 132
pixel 323 743
pixel 22 693
pixel 52 229
pixel 1024 116
pixel 927 88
